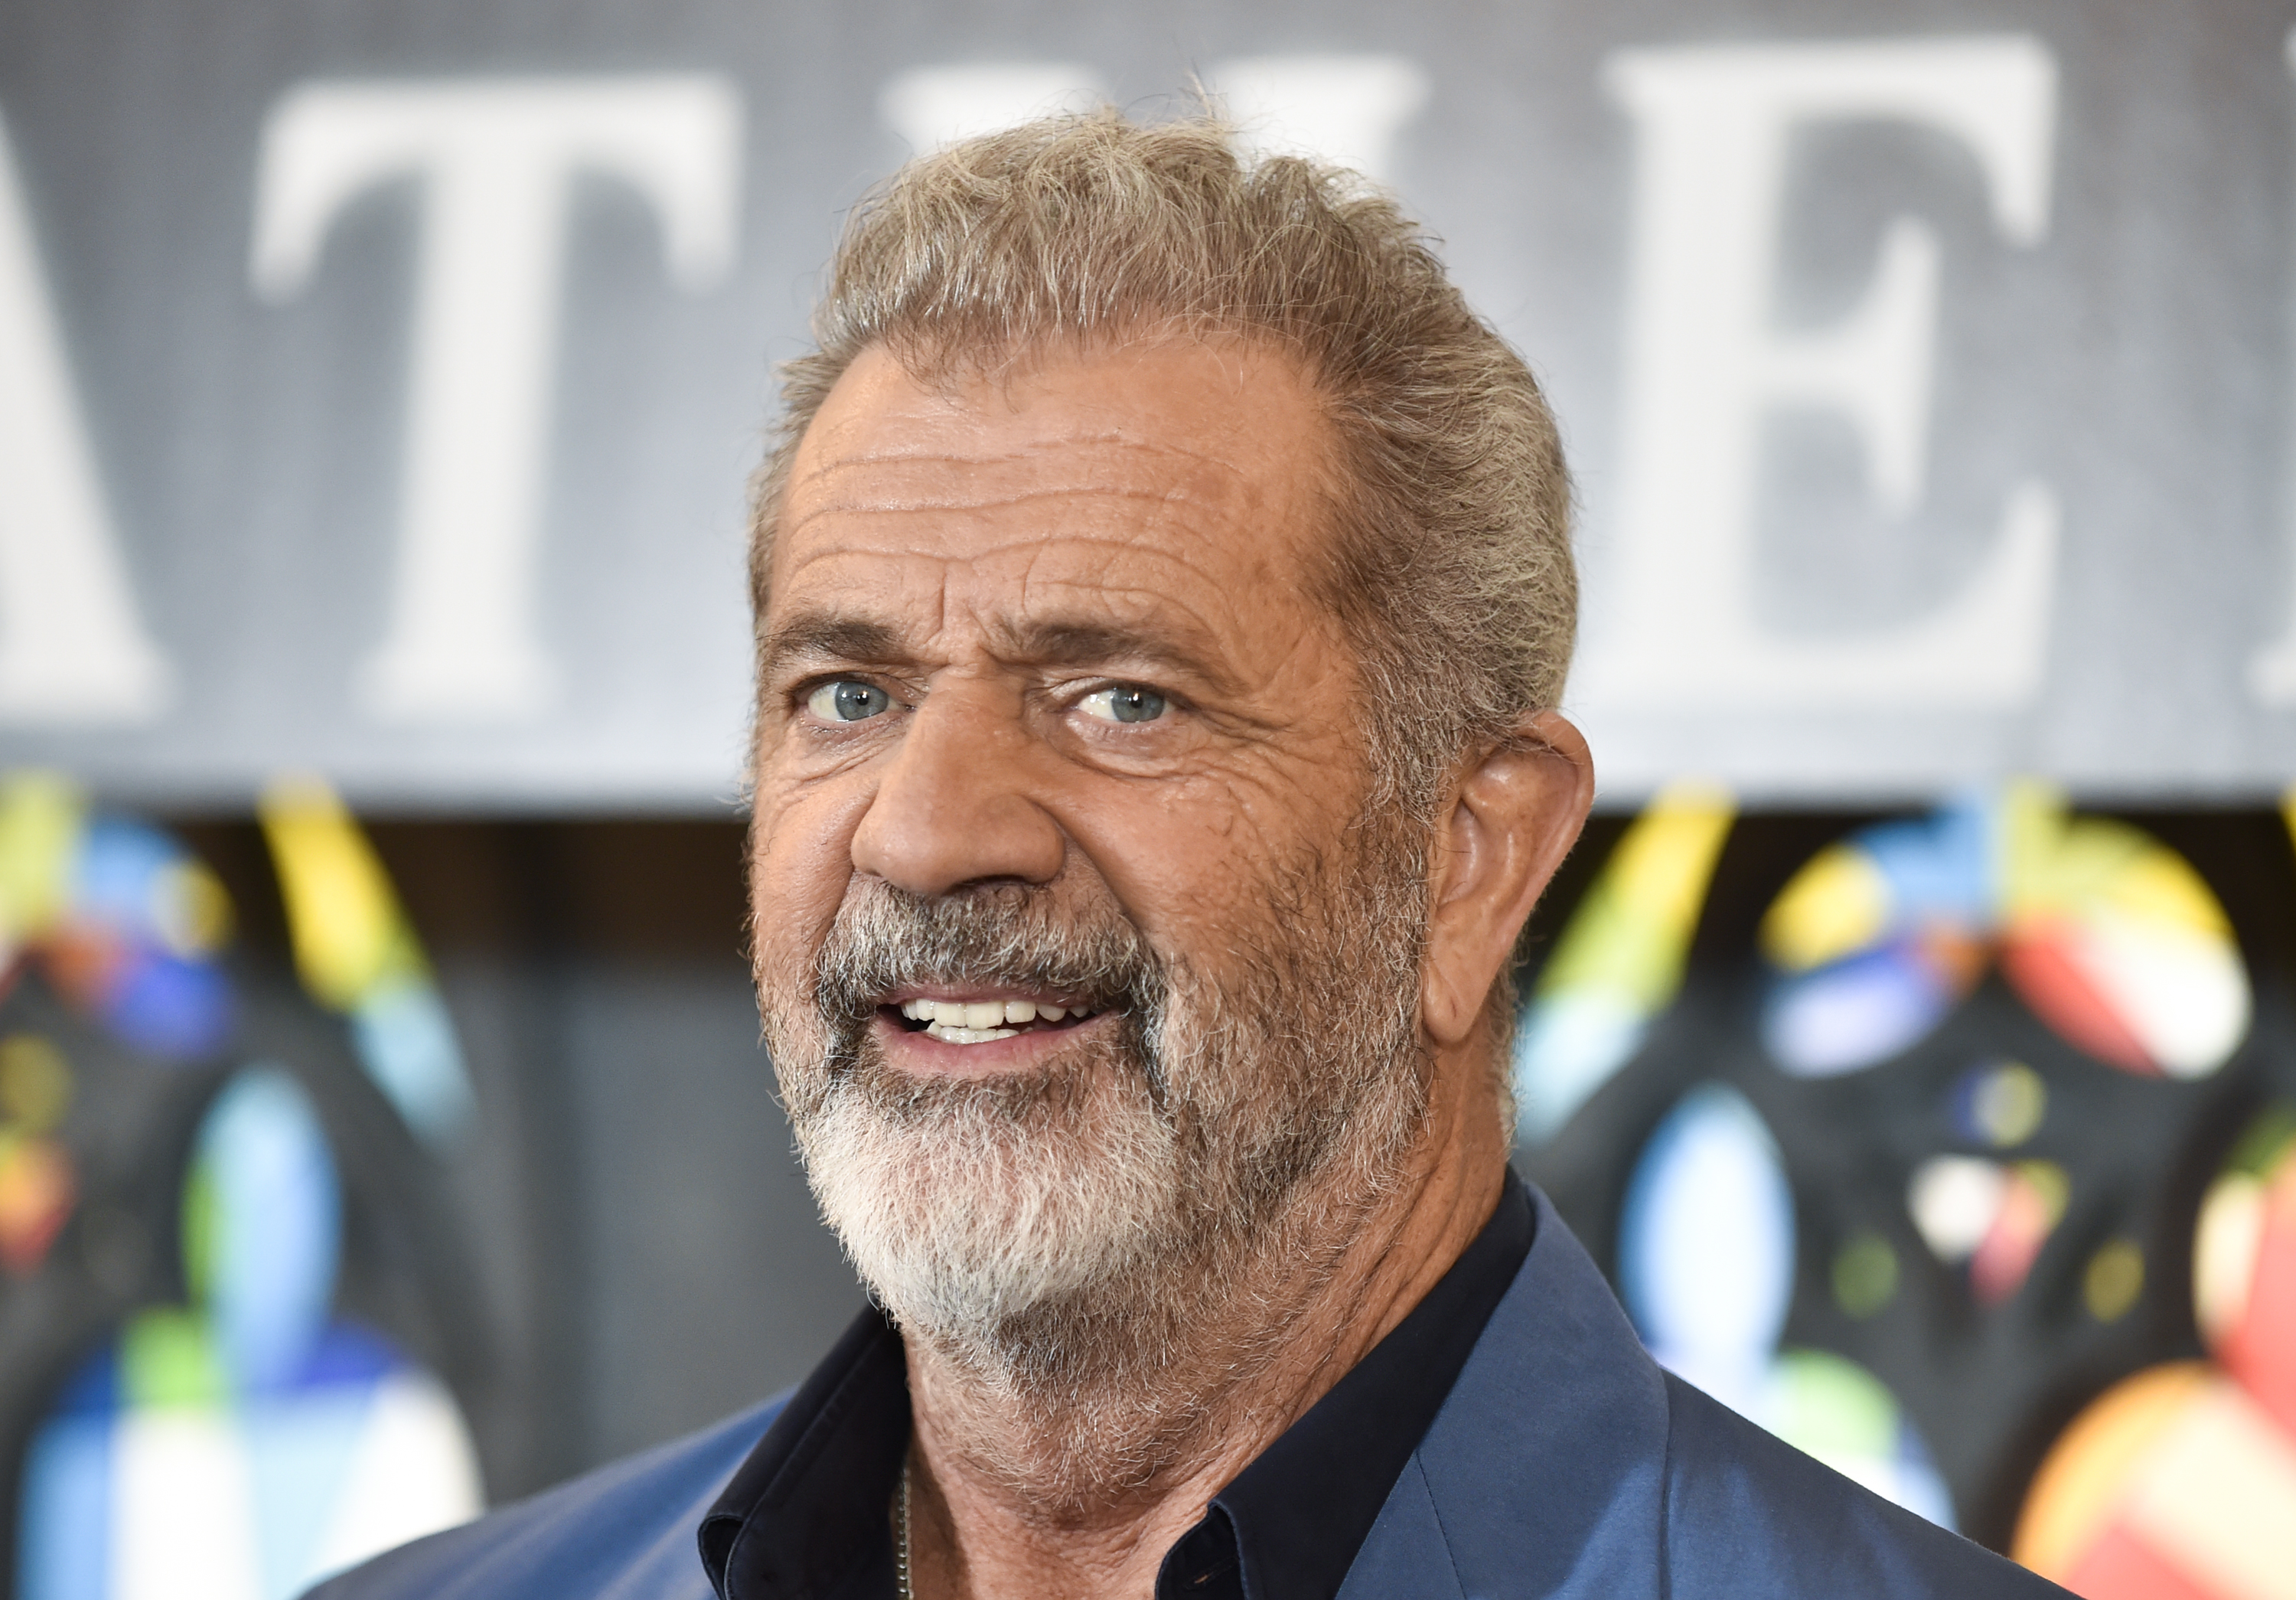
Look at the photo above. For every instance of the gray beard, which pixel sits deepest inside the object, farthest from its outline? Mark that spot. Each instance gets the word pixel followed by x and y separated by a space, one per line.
pixel 1112 1241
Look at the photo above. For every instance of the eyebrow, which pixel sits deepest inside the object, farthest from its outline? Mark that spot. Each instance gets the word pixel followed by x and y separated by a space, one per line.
pixel 1054 642
pixel 823 636
pixel 827 636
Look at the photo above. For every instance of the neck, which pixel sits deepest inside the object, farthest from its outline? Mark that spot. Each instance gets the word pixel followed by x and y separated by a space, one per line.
pixel 1071 1486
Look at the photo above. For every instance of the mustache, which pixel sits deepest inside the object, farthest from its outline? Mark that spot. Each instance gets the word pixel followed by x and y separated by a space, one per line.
pixel 996 935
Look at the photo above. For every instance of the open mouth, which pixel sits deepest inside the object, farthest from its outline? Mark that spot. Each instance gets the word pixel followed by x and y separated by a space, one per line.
pixel 982 1022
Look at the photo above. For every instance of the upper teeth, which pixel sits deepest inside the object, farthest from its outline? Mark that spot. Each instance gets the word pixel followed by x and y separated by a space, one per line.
pixel 979 1014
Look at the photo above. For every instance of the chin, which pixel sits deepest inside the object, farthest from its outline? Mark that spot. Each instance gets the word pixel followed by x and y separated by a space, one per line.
pixel 970 1207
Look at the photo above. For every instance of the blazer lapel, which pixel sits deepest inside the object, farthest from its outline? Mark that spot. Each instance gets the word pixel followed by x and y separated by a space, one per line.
pixel 1404 1556
pixel 1542 1476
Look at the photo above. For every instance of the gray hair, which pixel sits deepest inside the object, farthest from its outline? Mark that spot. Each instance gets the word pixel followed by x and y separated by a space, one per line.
pixel 1450 565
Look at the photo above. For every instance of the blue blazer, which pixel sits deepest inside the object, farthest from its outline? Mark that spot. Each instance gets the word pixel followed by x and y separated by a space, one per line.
pixel 1565 1466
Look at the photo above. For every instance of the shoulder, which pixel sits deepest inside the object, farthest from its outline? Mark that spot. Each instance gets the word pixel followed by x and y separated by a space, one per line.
pixel 624 1531
pixel 1747 1514
pixel 1566 1464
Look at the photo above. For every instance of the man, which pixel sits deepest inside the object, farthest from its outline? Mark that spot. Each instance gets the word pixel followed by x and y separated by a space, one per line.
pixel 1163 595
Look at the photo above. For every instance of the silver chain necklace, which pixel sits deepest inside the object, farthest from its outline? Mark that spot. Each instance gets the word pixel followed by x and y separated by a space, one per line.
pixel 901 1536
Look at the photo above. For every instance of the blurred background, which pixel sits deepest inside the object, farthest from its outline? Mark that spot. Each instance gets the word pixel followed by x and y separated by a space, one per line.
pixel 382 1128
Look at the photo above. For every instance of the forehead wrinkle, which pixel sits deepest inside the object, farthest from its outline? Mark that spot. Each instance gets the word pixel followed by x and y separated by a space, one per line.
pixel 1084 455
pixel 951 451
pixel 1036 547
pixel 879 506
pixel 828 496
pixel 1188 488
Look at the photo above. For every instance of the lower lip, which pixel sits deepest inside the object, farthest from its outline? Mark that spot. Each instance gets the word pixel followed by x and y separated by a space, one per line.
pixel 917 1051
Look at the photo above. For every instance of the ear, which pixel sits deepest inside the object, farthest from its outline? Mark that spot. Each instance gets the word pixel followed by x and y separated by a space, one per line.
pixel 1515 813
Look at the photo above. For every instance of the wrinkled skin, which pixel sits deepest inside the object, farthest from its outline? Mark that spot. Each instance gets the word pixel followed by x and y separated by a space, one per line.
pixel 1004 567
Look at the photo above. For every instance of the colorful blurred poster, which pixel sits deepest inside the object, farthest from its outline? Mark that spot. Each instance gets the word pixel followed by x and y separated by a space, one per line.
pixel 2108 935
pixel 248 1444
pixel 2179 1483
pixel 1620 961
pixel 1706 1266
pixel 1880 1123
pixel 234 1435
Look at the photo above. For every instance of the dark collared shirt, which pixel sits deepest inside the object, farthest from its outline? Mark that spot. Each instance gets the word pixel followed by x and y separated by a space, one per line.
pixel 806 1516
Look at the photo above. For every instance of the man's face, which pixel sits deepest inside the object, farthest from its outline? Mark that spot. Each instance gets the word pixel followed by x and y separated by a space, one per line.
pixel 1072 959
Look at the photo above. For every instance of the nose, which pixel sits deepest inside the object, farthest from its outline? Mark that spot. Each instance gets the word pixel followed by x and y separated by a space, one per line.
pixel 951 806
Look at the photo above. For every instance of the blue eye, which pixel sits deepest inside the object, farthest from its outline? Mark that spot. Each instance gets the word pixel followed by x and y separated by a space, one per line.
pixel 847 701
pixel 1126 702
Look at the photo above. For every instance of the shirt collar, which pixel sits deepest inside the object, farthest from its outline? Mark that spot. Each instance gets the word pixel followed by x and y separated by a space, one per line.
pixel 805 1516
pixel 807 1513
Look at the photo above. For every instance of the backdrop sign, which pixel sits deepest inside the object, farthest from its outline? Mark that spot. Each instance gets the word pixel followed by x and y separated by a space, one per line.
pixel 378 381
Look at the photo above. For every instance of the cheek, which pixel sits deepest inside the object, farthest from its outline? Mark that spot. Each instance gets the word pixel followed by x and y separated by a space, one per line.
pixel 1198 863
pixel 800 866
